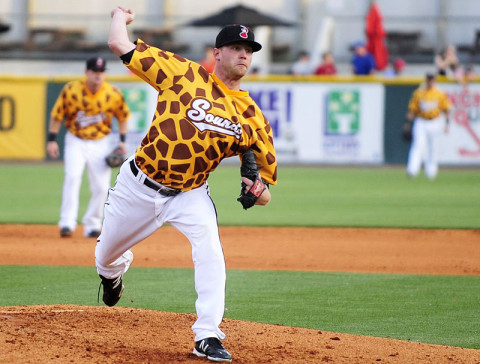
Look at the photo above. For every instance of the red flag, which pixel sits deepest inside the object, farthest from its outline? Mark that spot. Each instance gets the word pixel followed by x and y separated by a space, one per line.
pixel 376 37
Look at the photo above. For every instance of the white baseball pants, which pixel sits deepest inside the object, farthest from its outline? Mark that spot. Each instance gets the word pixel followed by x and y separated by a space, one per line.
pixel 423 147
pixel 80 153
pixel 134 211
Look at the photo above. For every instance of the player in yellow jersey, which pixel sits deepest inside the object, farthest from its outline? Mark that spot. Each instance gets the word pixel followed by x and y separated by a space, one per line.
pixel 88 107
pixel 200 119
pixel 425 110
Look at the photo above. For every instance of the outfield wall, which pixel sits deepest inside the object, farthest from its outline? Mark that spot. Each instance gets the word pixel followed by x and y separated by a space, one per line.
pixel 329 120
pixel 22 131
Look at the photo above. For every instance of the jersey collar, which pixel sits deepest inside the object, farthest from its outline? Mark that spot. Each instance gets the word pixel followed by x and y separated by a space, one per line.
pixel 226 90
pixel 87 90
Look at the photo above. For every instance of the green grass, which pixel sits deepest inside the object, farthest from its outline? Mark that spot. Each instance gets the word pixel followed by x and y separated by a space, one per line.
pixel 305 196
pixel 433 309
pixel 358 197
pixel 32 193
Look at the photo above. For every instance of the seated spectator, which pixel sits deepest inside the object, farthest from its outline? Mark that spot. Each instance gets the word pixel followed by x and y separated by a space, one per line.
pixel 363 62
pixel 469 74
pixel 327 67
pixel 396 68
pixel 208 62
pixel 302 65
pixel 446 61
pixel 254 72
pixel 457 72
pixel 465 77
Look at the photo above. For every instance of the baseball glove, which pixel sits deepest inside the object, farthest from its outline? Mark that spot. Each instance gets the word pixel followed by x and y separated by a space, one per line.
pixel 249 169
pixel 116 157
pixel 407 132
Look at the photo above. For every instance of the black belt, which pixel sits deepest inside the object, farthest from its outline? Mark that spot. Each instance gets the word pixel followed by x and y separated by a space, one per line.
pixel 165 191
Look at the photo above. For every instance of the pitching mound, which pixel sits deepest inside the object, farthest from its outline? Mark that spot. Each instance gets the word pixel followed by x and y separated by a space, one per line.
pixel 77 334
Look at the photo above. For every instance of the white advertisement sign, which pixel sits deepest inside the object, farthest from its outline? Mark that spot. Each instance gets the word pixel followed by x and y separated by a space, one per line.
pixel 311 122
pixel 324 123
pixel 275 101
pixel 461 145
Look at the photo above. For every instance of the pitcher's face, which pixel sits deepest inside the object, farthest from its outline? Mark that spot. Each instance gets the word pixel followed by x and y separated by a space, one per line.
pixel 235 59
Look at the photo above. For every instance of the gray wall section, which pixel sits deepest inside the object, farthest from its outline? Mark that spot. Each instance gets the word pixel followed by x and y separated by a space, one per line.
pixel 396 103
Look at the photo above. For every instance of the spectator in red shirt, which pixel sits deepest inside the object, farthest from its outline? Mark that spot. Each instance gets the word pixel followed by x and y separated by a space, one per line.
pixel 327 67
pixel 208 62
pixel 396 68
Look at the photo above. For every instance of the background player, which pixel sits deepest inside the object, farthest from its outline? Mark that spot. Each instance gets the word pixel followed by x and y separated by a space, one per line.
pixel 426 105
pixel 200 119
pixel 88 107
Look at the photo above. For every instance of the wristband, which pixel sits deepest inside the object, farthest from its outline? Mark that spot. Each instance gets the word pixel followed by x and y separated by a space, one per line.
pixel 123 137
pixel 52 137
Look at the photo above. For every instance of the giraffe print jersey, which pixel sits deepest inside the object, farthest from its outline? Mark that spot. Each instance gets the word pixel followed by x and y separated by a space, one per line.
pixel 198 122
pixel 87 115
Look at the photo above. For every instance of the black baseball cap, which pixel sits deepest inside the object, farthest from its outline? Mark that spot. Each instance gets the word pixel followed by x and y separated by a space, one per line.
pixel 96 64
pixel 430 76
pixel 235 34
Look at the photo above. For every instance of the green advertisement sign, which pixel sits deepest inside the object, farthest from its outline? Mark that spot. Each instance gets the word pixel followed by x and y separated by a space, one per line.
pixel 343 108
pixel 136 99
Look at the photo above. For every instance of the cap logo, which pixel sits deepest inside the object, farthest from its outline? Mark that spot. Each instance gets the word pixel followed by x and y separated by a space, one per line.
pixel 244 32
pixel 99 62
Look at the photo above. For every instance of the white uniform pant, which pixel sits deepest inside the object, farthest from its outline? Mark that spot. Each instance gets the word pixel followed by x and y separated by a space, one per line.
pixel 423 148
pixel 134 211
pixel 79 154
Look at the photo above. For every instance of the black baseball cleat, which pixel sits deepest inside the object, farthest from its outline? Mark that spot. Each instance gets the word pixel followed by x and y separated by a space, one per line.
pixel 112 290
pixel 66 232
pixel 93 234
pixel 212 349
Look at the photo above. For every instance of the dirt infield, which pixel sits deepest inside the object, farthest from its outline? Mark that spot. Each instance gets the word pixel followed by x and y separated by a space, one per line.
pixel 80 334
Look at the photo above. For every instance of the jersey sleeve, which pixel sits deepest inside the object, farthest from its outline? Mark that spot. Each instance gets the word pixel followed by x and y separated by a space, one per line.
pixel 445 104
pixel 413 104
pixel 122 111
pixel 260 137
pixel 58 110
pixel 157 67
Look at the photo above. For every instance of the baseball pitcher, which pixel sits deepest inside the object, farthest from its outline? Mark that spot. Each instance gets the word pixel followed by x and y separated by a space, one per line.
pixel 200 119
